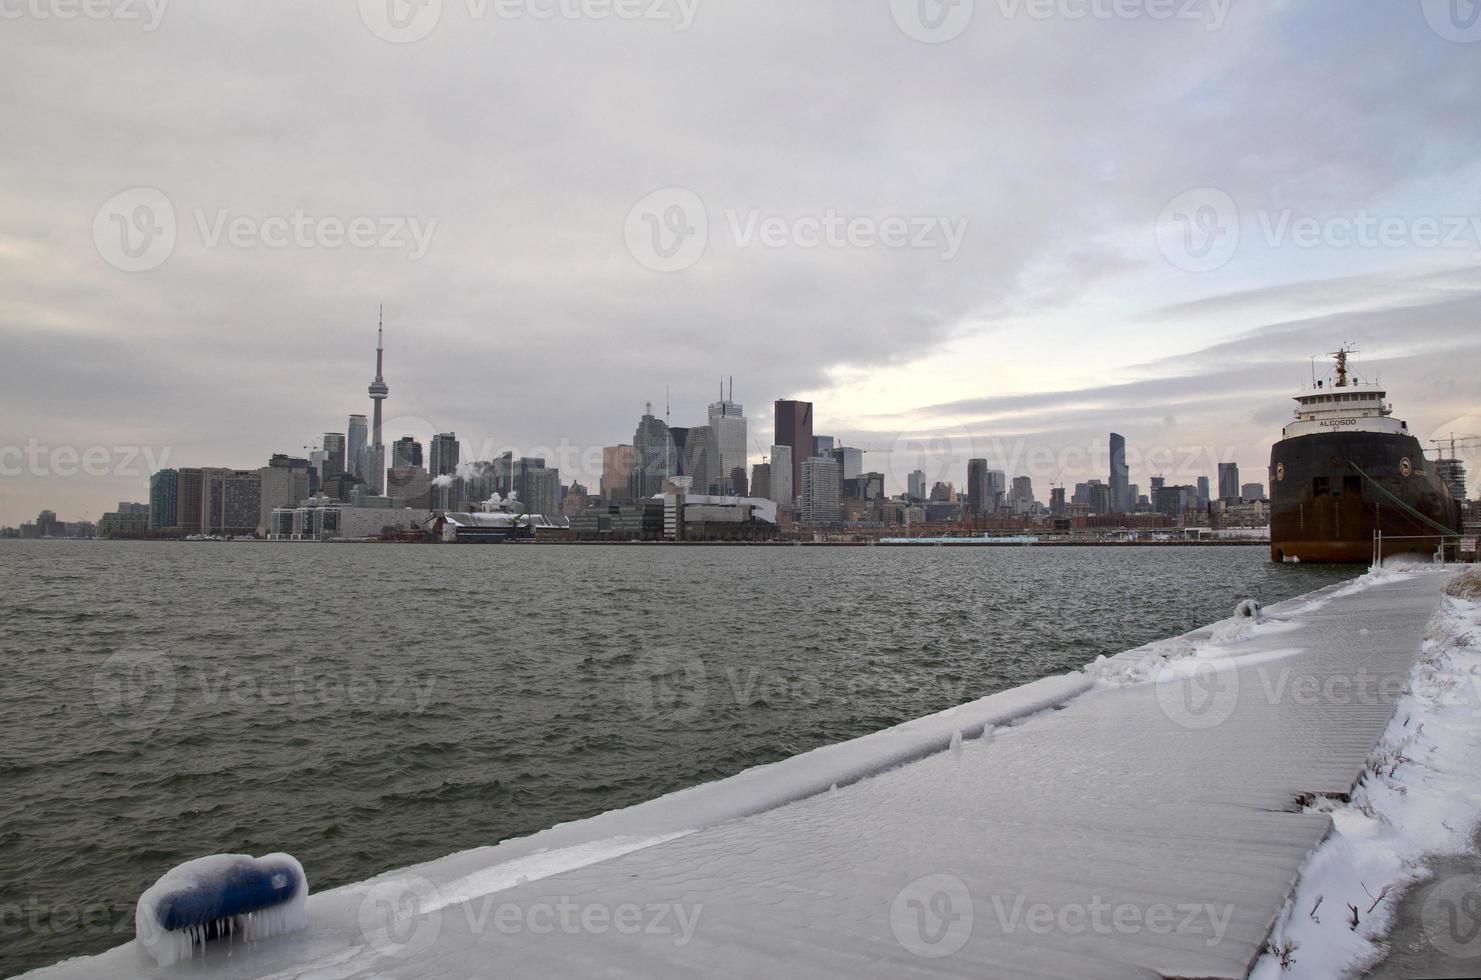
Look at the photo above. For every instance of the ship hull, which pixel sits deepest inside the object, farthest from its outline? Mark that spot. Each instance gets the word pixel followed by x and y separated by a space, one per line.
pixel 1323 509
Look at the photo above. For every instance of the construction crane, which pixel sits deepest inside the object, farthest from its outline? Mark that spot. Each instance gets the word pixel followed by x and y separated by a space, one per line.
pixel 1456 442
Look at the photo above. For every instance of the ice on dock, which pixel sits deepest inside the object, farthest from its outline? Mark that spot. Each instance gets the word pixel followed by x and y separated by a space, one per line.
pixel 1148 816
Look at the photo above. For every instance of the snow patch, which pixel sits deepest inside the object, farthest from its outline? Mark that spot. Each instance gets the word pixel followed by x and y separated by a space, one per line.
pixel 1418 797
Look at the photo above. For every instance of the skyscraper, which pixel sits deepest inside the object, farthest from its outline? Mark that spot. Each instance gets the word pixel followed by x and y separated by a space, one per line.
pixel 1228 481
pixel 1203 488
pixel 284 483
pixel 850 462
pixel 1120 477
pixel 700 461
pixel 355 448
pixel 728 423
pixel 821 496
pixel 164 496
pixel 916 487
pixel 783 490
pixel 794 430
pixel 761 481
pixel 334 456
pixel 406 452
pixel 617 467
pixel 977 487
pixel 444 456
pixel 375 455
pixel 653 456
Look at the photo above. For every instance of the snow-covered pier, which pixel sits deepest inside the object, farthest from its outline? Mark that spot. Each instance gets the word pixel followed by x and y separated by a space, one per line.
pixel 1147 817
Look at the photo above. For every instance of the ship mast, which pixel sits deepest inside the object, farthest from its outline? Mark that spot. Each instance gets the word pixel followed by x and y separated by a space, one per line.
pixel 1341 355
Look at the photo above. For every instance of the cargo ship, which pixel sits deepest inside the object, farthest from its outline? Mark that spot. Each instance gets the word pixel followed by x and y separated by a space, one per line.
pixel 1346 475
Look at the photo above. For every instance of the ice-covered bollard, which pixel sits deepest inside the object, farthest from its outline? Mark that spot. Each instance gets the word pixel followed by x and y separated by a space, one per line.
pixel 218 898
pixel 1249 609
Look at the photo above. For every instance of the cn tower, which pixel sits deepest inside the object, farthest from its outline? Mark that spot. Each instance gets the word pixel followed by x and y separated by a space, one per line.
pixel 379 390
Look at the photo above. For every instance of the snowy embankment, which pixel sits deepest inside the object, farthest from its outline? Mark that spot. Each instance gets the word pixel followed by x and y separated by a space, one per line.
pixel 1419 797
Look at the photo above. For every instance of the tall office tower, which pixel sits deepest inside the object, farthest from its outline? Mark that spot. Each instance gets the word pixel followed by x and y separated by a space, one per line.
pixel 850 462
pixel 653 456
pixel 406 452
pixel 444 457
pixel 1228 481
pixel 188 500
pixel 1158 482
pixel 1100 498
pixel 823 445
pixel 761 481
pixel 540 491
pixel 617 467
pixel 409 486
pixel 915 487
pixel 680 436
pixel 738 483
pixel 1023 493
pixel 164 498
pixel 822 493
pixel 700 461
pixel 375 453
pixel 1056 501
pixel 285 483
pixel 783 490
pixel 728 423
pixel 1252 491
pixel 1120 477
pixel 977 489
pixel 997 489
pixel 355 448
pixel 793 430
pixel 1203 489
pixel 334 456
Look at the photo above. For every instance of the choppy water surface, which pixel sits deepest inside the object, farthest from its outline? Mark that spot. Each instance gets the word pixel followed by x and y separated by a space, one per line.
pixel 365 707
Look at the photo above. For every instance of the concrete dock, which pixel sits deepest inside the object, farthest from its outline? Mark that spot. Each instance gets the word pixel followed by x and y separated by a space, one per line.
pixel 1142 819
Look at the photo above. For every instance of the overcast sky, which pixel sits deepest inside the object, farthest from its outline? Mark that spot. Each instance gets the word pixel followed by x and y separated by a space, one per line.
pixel 1000 228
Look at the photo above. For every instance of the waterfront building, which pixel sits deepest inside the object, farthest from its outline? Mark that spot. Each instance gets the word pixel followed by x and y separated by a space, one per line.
pixel 654 457
pixel 164 498
pixel 718 517
pixel 793 429
pixel 358 433
pixel 821 497
pixel 1229 481
pixel 285 483
pixel 231 501
pixel 123 524
pixel 320 519
pixel 1122 502
pixel 334 455
pixel 190 482
pixel 617 467
pixel 443 460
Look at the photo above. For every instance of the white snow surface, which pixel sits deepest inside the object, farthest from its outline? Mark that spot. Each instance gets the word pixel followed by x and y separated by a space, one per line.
pixel 1065 792
pixel 1419 797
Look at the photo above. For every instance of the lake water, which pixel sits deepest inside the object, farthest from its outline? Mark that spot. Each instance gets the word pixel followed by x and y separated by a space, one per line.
pixel 365 707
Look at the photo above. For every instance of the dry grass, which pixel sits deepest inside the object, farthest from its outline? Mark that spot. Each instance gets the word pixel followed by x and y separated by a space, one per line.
pixel 1466 585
